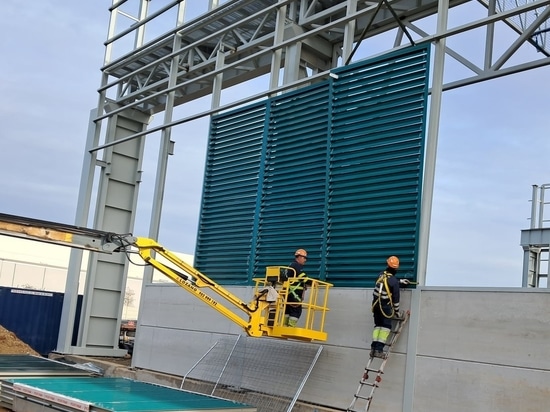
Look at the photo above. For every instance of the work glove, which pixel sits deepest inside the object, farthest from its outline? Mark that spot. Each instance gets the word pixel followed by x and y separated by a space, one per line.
pixel 404 281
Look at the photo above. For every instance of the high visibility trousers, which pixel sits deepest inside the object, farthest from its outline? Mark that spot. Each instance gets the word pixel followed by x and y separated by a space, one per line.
pixel 290 321
pixel 379 338
pixel 382 327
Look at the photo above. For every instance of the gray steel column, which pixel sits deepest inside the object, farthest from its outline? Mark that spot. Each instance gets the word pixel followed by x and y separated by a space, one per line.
pixel 277 53
pixel 412 345
pixel 115 212
pixel 489 37
pixel 165 149
pixel 293 55
pixel 534 202
pixel 349 31
pixel 431 147
pixel 541 206
pixel 140 31
pixel 218 81
pixel 68 312
pixel 527 269
pixel 426 206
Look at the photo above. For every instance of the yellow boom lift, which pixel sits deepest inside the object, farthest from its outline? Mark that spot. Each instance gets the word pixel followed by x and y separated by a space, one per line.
pixel 265 313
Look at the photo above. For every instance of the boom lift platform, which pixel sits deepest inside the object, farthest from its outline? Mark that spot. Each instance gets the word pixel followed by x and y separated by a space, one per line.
pixel 265 311
pixel 373 374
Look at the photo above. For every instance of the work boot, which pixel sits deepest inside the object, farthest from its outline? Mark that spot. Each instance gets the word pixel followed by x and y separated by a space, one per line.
pixel 379 354
pixel 292 321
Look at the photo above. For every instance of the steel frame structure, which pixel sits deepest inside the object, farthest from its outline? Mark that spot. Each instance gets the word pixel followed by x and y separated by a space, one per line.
pixel 536 241
pixel 292 43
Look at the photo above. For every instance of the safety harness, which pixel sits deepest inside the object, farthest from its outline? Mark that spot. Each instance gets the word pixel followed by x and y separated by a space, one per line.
pixel 382 285
pixel 296 286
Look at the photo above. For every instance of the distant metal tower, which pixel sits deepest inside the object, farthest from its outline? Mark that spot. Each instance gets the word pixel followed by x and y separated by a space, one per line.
pixel 536 242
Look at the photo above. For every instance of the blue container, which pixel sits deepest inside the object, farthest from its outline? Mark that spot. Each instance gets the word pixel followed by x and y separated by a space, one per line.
pixel 34 316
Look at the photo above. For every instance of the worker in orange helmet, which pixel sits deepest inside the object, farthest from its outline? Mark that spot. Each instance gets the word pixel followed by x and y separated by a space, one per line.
pixel 385 306
pixel 296 289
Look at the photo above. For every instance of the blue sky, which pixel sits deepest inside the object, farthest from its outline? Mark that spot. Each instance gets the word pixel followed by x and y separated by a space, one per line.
pixel 493 146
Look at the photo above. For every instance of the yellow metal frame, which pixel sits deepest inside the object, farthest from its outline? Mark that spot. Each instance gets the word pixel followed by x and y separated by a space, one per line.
pixel 314 306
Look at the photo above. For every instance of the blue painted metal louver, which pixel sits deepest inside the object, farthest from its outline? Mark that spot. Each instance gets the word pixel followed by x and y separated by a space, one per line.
pixel 376 159
pixel 292 213
pixel 230 191
pixel 334 168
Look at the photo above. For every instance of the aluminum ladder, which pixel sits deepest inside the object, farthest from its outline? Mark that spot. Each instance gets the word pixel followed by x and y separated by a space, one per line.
pixel 362 402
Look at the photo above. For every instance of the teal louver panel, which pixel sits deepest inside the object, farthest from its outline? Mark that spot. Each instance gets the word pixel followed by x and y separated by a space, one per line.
pixel 334 168
pixel 376 160
pixel 230 190
pixel 294 184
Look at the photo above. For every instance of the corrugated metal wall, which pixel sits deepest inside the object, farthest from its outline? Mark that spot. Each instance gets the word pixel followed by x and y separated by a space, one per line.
pixel 34 316
pixel 334 168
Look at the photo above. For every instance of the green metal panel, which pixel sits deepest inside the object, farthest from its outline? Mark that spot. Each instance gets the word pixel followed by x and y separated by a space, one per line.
pixel 294 185
pixel 118 395
pixel 376 160
pixel 228 211
pixel 334 168
pixel 16 365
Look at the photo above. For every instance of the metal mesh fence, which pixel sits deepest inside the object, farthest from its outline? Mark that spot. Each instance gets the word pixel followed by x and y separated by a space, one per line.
pixel 265 373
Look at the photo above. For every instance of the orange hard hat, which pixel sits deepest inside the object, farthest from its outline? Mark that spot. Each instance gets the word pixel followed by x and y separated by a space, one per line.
pixel 393 262
pixel 300 252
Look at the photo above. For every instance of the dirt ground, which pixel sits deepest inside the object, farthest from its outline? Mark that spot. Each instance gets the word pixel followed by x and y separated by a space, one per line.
pixel 10 344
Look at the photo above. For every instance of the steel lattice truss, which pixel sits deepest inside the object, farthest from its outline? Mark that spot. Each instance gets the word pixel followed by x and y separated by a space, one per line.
pixel 237 42
pixel 530 22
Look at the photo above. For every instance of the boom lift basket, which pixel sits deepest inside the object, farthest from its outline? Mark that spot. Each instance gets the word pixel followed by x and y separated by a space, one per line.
pixel 314 306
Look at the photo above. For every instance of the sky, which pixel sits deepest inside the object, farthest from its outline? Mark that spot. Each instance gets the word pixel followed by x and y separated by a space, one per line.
pixel 493 145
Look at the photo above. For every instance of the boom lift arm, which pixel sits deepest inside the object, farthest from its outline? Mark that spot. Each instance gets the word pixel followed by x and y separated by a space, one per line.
pixel 265 312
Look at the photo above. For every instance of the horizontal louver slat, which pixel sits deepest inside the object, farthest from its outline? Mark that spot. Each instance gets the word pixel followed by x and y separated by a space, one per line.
pixel 229 195
pixel 335 168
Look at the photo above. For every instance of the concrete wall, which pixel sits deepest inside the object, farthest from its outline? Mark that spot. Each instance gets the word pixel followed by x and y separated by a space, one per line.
pixel 462 350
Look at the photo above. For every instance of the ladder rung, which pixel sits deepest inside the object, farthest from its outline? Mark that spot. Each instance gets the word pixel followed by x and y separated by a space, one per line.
pixel 366 398
pixel 374 370
pixel 365 382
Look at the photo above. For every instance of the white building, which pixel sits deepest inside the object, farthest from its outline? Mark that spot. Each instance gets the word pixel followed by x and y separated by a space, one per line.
pixel 43 266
